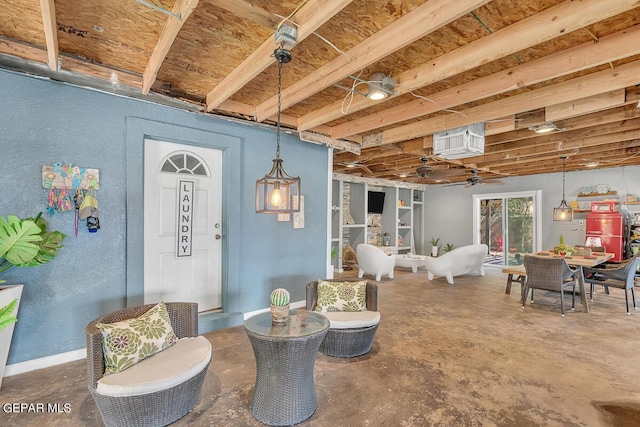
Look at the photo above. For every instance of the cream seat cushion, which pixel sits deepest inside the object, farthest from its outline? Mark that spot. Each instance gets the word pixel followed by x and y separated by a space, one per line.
pixel 352 319
pixel 163 370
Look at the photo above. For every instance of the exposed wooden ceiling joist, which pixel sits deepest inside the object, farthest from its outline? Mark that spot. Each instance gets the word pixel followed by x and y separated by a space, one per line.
pixel 181 11
pixel 551 23
pixel 49 21
pixel 412 26
pixel 580 87
pixel 311 16
pixel 587 55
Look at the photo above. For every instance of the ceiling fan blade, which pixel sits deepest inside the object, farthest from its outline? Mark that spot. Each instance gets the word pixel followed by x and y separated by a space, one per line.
pixel 493 181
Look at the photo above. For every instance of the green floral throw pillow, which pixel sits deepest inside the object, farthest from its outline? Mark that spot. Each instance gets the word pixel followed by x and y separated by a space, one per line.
pixel 341 296
pixel 127 342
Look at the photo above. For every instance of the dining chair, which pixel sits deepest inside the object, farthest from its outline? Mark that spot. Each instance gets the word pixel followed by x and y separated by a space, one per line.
pixel 592 248
pixel 551 274
pixel 620 276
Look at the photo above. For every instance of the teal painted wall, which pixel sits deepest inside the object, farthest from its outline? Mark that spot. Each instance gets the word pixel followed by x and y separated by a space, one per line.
pixel 43 121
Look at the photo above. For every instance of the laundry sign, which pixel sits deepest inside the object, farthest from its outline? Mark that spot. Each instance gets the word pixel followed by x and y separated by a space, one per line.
pixel 184 217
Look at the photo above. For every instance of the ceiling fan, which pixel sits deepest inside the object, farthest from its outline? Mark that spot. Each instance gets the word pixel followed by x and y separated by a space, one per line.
pixel 424 169
pixel 475 179
pixel 436 175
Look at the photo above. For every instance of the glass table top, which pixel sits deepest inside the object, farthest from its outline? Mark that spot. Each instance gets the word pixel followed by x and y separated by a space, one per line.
pixel 299 324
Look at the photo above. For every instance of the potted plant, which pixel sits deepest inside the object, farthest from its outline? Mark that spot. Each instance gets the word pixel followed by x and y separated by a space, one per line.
pixel 448 247
pixel 23 243
pixel 335 251
pixel 279 305
pixel 434 246
pixel 563 249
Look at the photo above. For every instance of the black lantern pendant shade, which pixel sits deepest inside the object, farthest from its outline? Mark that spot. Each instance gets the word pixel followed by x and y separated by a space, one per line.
pixel 278 192
pixel 563 212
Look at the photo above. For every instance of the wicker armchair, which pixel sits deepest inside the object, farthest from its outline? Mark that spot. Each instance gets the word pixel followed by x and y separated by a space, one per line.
pixel 551 274
pixel 619 276
pixel 341 340
pixel 158 408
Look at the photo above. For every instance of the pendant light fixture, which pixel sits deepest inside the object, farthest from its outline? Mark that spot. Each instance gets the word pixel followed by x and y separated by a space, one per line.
pixel 278 192
pixel 563 212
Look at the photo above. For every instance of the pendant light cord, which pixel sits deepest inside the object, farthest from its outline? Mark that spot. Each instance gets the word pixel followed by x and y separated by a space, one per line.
pixel 563 168
pixel 279 106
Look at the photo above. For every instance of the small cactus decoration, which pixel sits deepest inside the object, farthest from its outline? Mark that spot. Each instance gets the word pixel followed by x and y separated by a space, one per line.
pixel 280 297
pixel 279 305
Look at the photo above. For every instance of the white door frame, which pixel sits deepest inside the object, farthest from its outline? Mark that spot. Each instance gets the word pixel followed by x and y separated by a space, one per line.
pixel 537 213
pixel 137 129
pixel 169 276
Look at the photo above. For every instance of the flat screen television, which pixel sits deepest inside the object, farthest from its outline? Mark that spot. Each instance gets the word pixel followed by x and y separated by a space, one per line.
pixel 375 202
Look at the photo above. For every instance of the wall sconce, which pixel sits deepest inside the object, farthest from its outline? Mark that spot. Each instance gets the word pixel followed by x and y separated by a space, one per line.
pixel 278 192
pixel 563 212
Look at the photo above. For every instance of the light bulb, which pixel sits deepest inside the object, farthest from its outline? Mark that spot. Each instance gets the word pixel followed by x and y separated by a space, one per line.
pixel 276 197
pixel 377 95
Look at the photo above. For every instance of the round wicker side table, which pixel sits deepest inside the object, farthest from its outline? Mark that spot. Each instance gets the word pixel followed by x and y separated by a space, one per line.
pixel 285 353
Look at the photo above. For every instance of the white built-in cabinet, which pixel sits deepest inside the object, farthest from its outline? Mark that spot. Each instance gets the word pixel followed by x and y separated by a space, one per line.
pixel 401 218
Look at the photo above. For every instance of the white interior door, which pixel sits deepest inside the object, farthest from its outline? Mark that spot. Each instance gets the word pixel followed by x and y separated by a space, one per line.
pixel 182 224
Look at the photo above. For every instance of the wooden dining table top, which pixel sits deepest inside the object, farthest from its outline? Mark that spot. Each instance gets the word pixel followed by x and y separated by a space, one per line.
pixel 582 260
pixel 594 259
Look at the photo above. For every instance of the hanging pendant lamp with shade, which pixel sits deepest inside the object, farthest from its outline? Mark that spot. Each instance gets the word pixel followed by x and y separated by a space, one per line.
pixel 278 192
pixel 563 212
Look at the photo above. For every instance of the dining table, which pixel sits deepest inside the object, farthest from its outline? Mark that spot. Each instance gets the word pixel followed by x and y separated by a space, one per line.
pixel 577 261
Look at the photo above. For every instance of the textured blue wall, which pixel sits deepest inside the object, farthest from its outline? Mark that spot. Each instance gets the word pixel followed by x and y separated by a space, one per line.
pixel 43 122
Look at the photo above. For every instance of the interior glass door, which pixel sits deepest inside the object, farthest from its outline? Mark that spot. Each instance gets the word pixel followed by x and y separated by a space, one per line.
pixel 492 229
pixel 508 224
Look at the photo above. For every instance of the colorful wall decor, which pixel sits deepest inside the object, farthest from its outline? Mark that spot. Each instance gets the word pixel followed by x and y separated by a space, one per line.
pixel 70 177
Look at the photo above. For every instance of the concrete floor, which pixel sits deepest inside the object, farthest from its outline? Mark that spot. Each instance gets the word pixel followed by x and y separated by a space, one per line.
pixel 444 355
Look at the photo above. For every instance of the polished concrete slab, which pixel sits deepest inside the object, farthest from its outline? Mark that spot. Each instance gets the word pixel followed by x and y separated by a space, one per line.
pixel 444 355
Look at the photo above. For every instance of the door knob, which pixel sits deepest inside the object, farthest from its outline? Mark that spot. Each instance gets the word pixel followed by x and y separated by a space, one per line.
pixel 218 237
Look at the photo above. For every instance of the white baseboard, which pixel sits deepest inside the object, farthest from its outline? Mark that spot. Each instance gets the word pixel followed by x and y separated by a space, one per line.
pixel 44 362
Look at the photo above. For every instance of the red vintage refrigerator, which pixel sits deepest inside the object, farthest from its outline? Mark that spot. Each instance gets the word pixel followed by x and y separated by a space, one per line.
pixel 608 228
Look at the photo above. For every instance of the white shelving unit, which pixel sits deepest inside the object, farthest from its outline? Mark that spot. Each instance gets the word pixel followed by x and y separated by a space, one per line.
pixel 401 217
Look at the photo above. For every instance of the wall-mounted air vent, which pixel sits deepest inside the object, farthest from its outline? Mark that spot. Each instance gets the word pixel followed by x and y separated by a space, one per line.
pixel 466 141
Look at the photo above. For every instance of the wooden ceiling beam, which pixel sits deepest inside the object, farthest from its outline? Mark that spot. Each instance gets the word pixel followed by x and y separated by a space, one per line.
pixel 181 11
pixel 416 24
pixel 338 144
pixel 559 137
pixel 579 107
pixel 555 149
pixel 501 125
pixel 615 46
pixel 580 87
pixel 309 18
pixel 575 123
pixel 546 25
pixel 246 10
pixel 86 68
pixel 617 153
pixel 48 8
